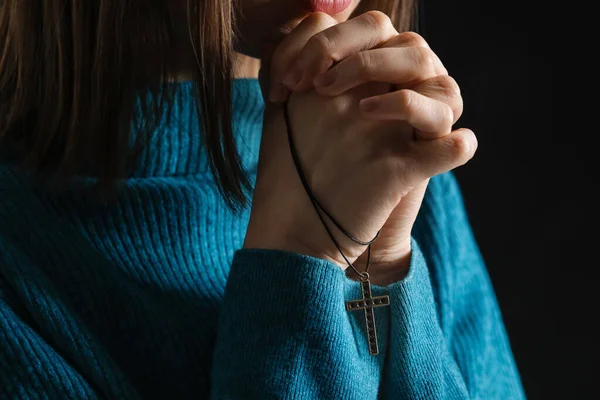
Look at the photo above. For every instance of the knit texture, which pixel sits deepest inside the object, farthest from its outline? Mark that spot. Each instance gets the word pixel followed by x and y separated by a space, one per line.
pixel 150 297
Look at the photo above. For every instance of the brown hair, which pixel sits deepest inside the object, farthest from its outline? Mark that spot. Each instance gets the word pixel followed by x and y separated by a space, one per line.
pixel 71 73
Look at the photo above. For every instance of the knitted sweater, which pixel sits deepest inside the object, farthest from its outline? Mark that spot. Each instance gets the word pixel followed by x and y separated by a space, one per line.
pixel 151 297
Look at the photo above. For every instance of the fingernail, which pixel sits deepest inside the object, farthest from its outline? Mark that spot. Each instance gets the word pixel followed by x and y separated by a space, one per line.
pixel 370 104
pixel 278 93
pixel 324 79
pixel 293 76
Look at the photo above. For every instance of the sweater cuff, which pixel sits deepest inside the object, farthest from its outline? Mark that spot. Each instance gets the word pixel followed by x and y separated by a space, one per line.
pixel 284 323
pixel 278 275
pixel 419 351
pixel 274 294
pixel 412 297
pixel 417 276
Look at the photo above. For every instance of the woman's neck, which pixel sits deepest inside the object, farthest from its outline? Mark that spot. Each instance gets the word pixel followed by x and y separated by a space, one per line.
pixel 245 67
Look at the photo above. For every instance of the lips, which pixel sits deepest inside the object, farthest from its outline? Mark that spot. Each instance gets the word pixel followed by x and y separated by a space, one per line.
pixel 328 6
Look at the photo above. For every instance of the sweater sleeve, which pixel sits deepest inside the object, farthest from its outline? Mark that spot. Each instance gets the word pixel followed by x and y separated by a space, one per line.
pixel 30 368
pixel 60 360
pixel 284 331
pixel 447 338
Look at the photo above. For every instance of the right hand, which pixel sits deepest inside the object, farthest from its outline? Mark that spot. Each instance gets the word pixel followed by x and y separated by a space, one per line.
pixel 358 168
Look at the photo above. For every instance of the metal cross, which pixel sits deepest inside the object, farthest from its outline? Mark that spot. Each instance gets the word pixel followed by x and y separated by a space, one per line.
pixel 367 303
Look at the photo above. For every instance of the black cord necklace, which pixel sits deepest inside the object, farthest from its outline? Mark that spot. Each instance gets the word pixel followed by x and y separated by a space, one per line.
pixel 368 302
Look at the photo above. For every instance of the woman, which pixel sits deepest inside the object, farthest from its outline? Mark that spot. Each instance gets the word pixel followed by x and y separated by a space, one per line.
pixel 127 271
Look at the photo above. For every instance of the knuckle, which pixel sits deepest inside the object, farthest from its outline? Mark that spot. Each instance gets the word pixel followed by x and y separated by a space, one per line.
pixel 458 110
pixel 446 116
pixel 378 19
pixel 449 89
pixel 448 86
pixel 413 39
pixel 364 64
pixel 406 101
pixel 320 19
pixel 460 147
pixel 424 60
pixel 323 44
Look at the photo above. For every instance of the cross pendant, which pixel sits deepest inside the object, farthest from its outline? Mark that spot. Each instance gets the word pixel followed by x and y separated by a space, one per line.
pixel 368 303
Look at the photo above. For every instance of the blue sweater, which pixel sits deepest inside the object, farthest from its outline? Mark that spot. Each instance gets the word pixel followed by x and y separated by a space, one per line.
pixel 150 297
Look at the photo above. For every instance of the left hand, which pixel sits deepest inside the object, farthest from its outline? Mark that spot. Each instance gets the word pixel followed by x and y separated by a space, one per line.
pixel 369 49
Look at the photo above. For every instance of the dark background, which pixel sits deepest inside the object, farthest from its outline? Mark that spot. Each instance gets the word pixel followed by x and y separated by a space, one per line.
pixel 530 191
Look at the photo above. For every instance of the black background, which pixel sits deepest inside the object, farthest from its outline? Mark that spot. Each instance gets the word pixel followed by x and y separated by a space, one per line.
pixel 530 192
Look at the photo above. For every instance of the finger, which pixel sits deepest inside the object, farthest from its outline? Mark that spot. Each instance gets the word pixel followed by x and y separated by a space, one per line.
pixel 406 39
pixel 290 47
pixel 412 39
pixel 441 88
pixel 336 43
pixel 434 157
pixel 430 117
pixel 445 89
pixel 397 65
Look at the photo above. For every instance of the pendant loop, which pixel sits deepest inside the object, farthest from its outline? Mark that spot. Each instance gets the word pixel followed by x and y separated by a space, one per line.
pixel 364 276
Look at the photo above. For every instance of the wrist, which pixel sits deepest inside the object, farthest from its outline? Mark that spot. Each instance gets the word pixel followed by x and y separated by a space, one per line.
pixel 384 275
pixel 384 271
pixel 279 242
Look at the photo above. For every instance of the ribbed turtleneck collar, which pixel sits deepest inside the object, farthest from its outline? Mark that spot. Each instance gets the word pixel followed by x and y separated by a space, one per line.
pixel 177 150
